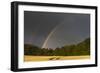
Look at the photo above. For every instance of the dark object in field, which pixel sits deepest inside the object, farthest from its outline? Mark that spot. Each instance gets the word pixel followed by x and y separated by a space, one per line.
pixel 51 58
pixel 54 58
pixel 57 58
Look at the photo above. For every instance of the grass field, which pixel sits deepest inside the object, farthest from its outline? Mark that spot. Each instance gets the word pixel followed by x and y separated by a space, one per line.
pixel 50 58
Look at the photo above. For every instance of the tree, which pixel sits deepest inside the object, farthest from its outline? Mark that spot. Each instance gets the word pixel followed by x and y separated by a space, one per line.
pixel 82 48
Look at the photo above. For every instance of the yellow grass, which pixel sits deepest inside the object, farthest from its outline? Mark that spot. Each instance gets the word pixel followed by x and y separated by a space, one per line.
pixel 51 58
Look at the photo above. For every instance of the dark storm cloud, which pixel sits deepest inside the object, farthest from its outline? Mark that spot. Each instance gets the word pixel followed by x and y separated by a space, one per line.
pixel 37 25
pixel 71 28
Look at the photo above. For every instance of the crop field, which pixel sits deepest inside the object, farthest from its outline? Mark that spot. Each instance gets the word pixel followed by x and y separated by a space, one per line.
pixel 51 58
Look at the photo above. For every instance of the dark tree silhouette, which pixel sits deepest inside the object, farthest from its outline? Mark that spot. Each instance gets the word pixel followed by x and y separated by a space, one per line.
pixel 82 48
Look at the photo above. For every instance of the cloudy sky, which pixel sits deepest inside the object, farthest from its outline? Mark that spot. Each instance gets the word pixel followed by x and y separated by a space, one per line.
pixel 51 30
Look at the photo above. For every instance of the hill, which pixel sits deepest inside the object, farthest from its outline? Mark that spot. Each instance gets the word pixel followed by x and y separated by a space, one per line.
pixel 82 48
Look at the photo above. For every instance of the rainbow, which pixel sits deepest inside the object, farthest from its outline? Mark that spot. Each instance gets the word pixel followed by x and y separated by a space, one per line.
pixel 50 34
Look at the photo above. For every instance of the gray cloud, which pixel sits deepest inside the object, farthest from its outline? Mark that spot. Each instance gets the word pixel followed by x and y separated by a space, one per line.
pixel 70 28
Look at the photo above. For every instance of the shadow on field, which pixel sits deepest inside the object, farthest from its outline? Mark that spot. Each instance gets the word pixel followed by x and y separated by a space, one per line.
pixel 54 58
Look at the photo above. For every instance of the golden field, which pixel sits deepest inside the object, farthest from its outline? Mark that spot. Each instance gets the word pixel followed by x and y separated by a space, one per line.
pixel 51 58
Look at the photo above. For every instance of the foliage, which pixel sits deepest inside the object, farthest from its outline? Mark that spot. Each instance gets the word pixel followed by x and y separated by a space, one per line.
pixel 82 48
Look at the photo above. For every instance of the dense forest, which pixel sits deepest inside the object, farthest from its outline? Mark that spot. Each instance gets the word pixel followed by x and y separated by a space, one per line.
pixel 82 48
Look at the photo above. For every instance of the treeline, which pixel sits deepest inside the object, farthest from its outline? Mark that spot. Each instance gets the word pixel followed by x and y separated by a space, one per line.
pixel 83 48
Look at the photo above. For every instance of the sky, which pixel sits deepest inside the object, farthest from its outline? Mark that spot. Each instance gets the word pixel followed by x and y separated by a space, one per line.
pixel 53 30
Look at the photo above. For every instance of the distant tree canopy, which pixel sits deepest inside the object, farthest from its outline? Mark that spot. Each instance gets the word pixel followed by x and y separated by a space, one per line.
pixel 82 48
